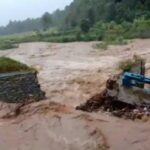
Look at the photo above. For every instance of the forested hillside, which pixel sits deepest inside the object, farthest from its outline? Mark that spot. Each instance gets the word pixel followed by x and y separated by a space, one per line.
pixel 85 11
pixel 21 26
pixel 106 10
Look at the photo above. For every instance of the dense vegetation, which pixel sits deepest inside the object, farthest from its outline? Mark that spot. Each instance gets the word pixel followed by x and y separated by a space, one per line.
pixel 83 20
pixel 9 65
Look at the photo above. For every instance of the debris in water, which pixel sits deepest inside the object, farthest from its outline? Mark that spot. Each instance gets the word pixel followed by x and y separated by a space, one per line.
pixel 110 100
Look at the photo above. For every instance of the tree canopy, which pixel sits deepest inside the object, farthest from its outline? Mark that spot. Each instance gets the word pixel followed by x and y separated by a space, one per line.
pixel 46 21
pixel 79 11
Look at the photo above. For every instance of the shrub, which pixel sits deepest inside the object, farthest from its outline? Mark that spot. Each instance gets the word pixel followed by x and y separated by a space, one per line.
pixel 7 44
pixel 118 41
pixel 102 45
pixel 128 64
pixel 78 36
pixel 109 32
pixel 85 25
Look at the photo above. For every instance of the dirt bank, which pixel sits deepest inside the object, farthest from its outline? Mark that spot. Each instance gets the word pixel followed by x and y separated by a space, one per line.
pixel 70 74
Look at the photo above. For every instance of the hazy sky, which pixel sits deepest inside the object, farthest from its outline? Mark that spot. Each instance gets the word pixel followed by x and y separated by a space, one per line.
pixel 22 9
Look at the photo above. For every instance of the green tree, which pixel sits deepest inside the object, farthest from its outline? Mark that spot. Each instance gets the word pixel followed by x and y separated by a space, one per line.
pixel 85 25
pixel 91 16
pixel 110 11
pixel 46 21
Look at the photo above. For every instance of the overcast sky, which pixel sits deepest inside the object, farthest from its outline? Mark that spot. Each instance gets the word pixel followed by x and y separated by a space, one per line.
pixel 22 9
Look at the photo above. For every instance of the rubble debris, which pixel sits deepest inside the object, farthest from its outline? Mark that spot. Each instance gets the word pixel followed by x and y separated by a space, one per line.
pixel 108 100
pixel 93 103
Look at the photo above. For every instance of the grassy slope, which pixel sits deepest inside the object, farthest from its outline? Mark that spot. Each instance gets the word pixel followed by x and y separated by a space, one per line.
pixel 9 65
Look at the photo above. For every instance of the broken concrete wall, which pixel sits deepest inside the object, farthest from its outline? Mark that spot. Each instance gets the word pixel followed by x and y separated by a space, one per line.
pixel 20 87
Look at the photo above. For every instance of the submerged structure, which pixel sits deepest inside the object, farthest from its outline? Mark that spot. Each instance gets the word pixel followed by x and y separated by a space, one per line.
pixel 18 82
pixel 18 87
pixel 125 95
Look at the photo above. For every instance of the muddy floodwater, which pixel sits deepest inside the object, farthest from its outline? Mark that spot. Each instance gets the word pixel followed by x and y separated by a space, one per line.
pixel 70 74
